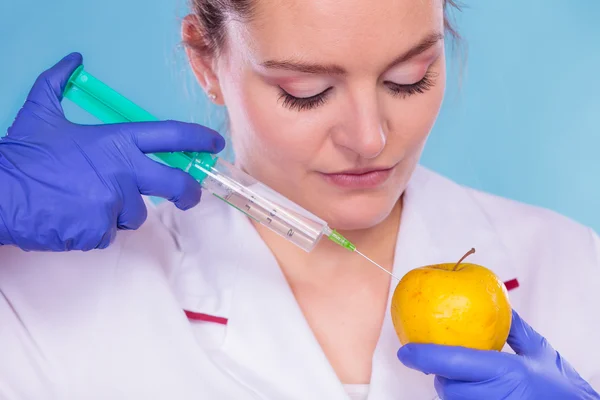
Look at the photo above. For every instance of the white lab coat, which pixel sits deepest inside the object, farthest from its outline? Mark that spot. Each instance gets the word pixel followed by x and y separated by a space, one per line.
pixel 110 324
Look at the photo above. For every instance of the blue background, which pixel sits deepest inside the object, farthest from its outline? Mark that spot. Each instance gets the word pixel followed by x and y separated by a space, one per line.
pixel 520 118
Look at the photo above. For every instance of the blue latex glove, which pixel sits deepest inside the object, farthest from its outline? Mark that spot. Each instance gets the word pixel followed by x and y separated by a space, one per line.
pixel 70 187
pixel 536 371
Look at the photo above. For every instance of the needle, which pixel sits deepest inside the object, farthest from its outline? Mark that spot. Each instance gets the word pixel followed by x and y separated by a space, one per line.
pixel 379 266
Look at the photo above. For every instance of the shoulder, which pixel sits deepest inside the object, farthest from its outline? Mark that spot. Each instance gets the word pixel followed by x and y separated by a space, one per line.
pixel 548 247
pixel 529 231
pixel 548 251
pixel 53 305
pixel 556 259
pixel 33 281
pixel 49 284
pixel 542 234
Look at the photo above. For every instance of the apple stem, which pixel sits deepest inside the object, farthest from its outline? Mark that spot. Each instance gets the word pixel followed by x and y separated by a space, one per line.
pixel 462 259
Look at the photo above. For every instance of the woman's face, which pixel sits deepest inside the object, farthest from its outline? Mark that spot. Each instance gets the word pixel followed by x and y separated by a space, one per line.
pixel 330 103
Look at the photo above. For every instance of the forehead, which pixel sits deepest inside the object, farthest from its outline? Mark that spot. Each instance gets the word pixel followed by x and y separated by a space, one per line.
pixel 357 31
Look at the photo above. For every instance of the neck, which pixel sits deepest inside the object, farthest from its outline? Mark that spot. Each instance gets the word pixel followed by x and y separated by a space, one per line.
pixel 329 262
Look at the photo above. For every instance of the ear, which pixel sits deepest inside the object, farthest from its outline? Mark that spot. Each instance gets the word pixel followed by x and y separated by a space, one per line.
pixel 200 57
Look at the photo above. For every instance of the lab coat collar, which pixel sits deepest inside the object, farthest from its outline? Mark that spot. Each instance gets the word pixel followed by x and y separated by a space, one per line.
pixel 227 272
pixel 443 231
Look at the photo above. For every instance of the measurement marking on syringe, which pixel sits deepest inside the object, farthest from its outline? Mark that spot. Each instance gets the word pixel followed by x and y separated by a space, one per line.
pixel 237 208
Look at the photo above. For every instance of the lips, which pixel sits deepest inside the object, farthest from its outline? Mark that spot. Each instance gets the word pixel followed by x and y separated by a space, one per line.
pixel 365 178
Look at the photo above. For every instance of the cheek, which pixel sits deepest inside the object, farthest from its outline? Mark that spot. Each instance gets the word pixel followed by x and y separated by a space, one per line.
pixel 269 139
pixel 411 123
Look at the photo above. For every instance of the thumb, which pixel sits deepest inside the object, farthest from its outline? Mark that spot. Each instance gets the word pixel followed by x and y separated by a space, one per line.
pixel 48 88
pixel 524 340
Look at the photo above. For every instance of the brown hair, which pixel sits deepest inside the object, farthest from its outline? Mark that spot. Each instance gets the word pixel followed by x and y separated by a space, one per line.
pixel 211 16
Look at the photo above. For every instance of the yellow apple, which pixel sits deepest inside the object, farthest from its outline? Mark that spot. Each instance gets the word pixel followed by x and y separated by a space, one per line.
pixel 458 304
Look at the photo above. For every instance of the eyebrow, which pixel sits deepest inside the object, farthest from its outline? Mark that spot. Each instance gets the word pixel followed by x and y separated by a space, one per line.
pixel 290 65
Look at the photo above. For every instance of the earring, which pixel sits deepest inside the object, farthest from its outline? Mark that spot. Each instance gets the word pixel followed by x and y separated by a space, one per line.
pixel 212 96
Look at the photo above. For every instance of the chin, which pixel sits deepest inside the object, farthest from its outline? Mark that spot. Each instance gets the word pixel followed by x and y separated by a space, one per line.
pixel 358 215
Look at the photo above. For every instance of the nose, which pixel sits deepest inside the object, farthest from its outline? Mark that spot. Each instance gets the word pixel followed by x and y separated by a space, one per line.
pixel 363 132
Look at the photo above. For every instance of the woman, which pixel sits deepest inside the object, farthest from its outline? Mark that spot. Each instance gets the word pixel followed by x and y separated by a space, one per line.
pixel 322 99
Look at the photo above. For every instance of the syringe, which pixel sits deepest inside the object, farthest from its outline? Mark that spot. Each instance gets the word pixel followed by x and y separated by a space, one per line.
pixel 222 179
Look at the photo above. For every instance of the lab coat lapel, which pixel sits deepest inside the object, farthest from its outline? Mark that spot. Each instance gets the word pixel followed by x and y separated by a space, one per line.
pixel 432 232
pixel 269 344
pixel 228 272
pixel 453 226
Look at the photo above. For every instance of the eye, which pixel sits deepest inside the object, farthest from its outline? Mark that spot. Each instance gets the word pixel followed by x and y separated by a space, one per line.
pixel 426 83
pixel 303 103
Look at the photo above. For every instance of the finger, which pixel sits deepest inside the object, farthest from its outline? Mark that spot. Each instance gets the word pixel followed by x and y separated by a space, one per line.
pixel 168 136
pixel 48 88
pixel 106 240
pixel 452 362
pixel 524 340
pixel 134 212
pixel 91 239
pixel 175 185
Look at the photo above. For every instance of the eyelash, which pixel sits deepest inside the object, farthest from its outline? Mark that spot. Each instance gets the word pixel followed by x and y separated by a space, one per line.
pixel 426 83
pixel 308 103
pixel 303 103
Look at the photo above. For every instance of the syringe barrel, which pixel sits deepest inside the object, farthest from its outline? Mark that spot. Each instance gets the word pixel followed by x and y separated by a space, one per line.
pixel 262 204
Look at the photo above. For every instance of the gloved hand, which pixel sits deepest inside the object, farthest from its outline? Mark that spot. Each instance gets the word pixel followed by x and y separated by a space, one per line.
pixel 65 186
pixel 537 371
